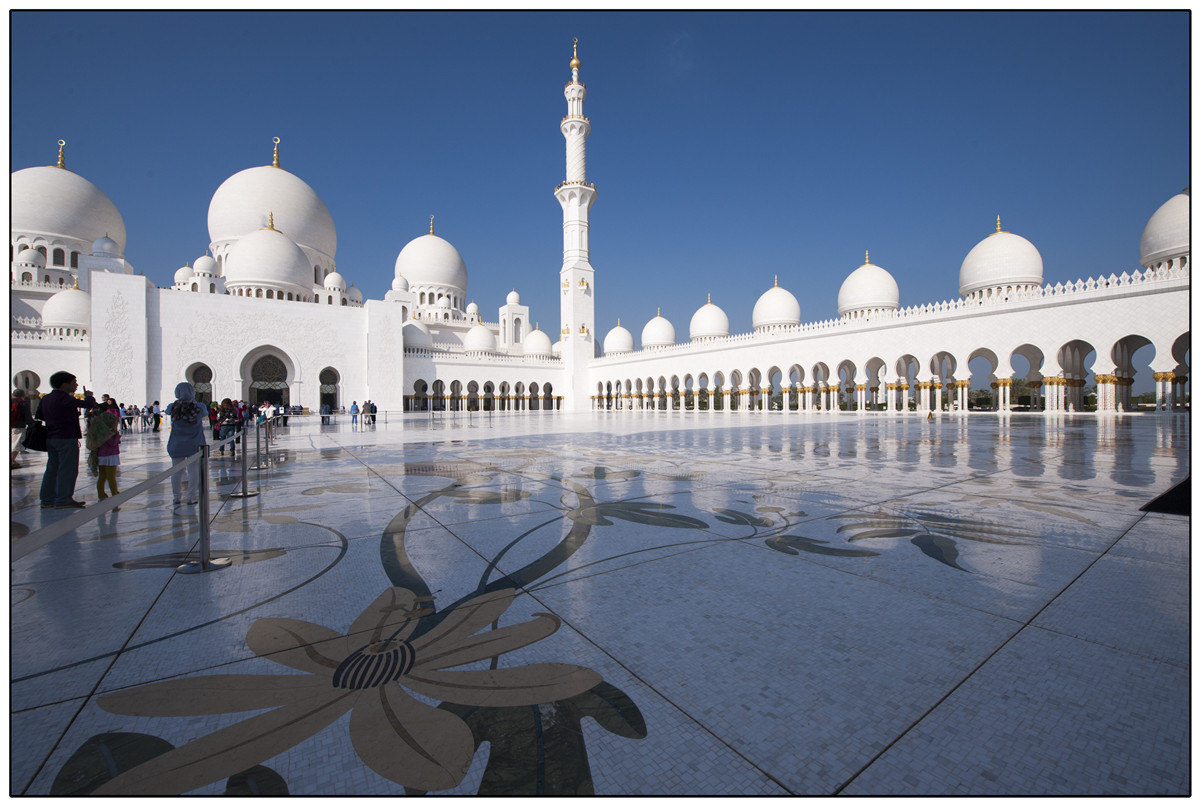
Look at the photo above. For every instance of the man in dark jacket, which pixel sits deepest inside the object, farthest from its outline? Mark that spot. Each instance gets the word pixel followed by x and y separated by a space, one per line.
pixel 60 411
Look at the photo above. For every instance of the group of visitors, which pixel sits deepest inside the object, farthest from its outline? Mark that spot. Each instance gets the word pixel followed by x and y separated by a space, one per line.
pixel 104 422
pixel 367 411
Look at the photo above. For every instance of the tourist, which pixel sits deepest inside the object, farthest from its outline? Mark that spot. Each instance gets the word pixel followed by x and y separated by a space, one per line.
pixel 157 415
pixel 20 418
pixel 229 422
pixel 104 451
pixel 353 415
pixel 60 411
pixel 214 419
pixel 187 435
pixel 324 414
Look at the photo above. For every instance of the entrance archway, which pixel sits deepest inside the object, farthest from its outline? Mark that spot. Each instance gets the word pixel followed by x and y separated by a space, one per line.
pixel 269 381
pixel 200 377
pixel 329 379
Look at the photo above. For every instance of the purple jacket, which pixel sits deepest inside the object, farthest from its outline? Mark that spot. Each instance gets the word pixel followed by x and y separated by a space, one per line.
pixel 110 448
pixel 60 411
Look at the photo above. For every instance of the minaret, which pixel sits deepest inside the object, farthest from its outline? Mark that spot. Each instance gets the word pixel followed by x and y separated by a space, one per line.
pixel 576 195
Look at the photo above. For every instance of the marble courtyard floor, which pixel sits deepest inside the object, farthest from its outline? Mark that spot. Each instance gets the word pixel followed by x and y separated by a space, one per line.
pixel 621 604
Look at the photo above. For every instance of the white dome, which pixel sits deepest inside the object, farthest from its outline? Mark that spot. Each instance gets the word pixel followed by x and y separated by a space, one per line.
pixel 480 340
pixel 335 282
pixel 242 202
pixel 556 348
pixel 399 284
pixel 869 287
pixel 105 246
pixel 538 343
pixel 269 259
pixel 472 308
pixel 1000 259
pixel 70 308
pixel 55 202
pixel 205 266
pixel 658 332
pixel 776 307
pixel 32 257
pixel 354 294
pixel 708 321
pixel 513 297
pixel 416 335
pixel 1168 233
pixel 618 340
pixel 183 274
pixel 430 260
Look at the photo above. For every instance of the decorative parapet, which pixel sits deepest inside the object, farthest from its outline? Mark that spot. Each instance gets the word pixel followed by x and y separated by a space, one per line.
pixel 460 356
pixel 28 321
pixel 39 285
pixel 1091 288
pixel 28 337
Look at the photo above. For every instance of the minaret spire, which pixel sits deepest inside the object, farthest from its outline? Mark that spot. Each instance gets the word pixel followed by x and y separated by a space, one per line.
pixel 275 160
pixel 62 161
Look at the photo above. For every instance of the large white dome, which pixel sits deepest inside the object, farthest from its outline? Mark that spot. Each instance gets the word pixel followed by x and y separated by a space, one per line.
pixel 776 308
pixel 242 202
pixel 1001 259
pixel 538 343
pixel 430 260
pixel 416 334
pixel 269 259
pixel 52 201
pixel 658 332
pixel 1168 233
pixel 868 288
pixel 618 340
pixel 480 339
pixel 71 308
pixel 708 321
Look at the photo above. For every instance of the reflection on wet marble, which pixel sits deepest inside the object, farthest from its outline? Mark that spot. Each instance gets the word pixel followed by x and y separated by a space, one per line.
pixel 623 605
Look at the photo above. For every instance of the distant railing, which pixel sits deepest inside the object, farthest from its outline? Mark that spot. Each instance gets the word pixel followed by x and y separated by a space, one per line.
pixel 28 336
pixel 39 285
pixel 456 353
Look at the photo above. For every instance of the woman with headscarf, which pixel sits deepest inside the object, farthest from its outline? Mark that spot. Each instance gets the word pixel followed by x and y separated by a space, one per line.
pixel 188 419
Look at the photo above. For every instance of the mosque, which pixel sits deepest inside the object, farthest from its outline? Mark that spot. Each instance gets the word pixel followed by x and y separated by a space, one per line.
pixel 77 304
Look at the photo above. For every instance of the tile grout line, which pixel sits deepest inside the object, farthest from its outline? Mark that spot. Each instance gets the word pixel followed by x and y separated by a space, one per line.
pixel 982 663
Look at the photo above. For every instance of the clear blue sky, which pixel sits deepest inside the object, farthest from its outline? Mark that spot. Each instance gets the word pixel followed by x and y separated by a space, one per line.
pixel 726 148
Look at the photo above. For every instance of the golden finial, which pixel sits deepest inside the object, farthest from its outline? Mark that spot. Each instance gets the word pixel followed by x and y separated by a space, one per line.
pixel 868 260
pixel 270 221
pixel 618 321
pixel 431 231
pixel 537 325
pixel 77 282
pixel 275 161
pixel 776 281
pixel 659 312
pixel 62 161
pixel 710 298
pixel 575 63
pixel 998 224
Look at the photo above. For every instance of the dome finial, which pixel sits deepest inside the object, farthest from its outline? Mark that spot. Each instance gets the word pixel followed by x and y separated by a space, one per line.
pixel 659 312
pixel 709 298
pixel 575 63
pixel 62 161
pixel 76 282
pixel 998 224
pixel 868 260
pixel 275 161
pixel 618 321
pixel 431 231
pixel 776 281
pixel 270 221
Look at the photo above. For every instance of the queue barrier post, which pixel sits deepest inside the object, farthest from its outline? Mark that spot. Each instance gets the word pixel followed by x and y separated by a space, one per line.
pixel 205 562
pixel 245 469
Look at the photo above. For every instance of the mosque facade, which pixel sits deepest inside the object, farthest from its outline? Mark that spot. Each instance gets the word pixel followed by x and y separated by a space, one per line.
pixel 238 321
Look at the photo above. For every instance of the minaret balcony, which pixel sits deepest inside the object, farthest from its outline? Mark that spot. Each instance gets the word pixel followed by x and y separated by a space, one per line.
pixel 576 183
pixel 575 117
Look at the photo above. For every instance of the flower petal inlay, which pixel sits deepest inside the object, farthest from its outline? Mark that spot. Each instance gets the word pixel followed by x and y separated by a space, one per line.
pixel 299 644
pixel 469 617
pixel 391 610
pixel 488 644
pixel 520 685
pixel 213 694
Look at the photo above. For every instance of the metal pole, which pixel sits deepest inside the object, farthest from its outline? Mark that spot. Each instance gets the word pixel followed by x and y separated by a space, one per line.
pixel 245 469
pixel 205 563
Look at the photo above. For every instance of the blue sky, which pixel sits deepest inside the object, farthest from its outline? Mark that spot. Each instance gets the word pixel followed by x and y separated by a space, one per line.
pixel 726 148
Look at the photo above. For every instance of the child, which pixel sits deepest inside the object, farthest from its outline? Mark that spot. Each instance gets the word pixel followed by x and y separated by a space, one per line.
pixel 104 446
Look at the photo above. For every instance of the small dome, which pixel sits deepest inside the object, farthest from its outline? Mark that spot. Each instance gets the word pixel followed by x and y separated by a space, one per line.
pixel 399 284
pixel 59 203
pixel 480 340
pixel 268 258
pixel 354 294
pixel 69 308
pixel 556 348
pixel 32 257
pixel 776 308
pixel 1168 233
pixel 658 332
pixel 472 309
pixel 618 340
pixel 430 260
pixel 869 287
pixel 538 343
pixel 708 321
pixel 204 266
pixel 335 282
pixel 1000 259
pixel 183 274
pixel 417 335
pixel 513 297
pixel 242 202
pixel 105 246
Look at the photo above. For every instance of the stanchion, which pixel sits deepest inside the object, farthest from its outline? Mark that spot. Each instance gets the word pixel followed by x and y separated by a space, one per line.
pixel 258 461
pixel 205 563
pixel 245 470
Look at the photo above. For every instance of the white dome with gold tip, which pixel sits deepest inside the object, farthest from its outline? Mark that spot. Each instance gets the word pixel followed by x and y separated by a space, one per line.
pixel 432 261
pixel 618 340
pixel 268 259
pixel 480 339
pixel 868 288
pixel 658 332
pixel 70 308
pixel 57 203
pixel 416 335
pixel 1168 233
pixel 1002 260
pixel 709 321
pixel 777 307
pixel 241 203
pixel 538 344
